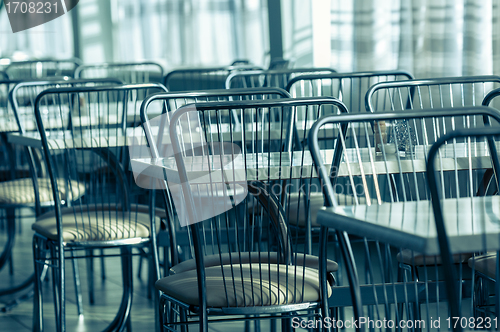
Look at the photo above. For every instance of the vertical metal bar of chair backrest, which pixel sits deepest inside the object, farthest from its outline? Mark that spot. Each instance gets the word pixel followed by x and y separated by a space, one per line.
pixel 130 73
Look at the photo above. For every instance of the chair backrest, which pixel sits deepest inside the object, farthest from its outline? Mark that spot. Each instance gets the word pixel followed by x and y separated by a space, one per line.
pixel 23 94
pixel 3 75
pixel 171 101
pixel 235 239
pixel 278 78
pixel 430 93
pixel 130 73
pixel 350 88
pixel 88 157
pixel 191 79
pixel 42 68
pixel 390 175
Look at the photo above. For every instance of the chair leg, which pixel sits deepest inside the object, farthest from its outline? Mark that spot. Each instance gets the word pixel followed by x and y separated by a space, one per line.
pixel 78 288
pixel 286 323
pixel 103 266
pixel 90 274
pixel 37 296
pixel 183 318
pixel 58 285
pixel 11 235
pixel 122 318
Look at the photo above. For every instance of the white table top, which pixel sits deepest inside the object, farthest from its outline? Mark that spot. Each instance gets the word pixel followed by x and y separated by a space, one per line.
pixel 410 225
pixel 276 165
pixel 27 117
pixel 103 138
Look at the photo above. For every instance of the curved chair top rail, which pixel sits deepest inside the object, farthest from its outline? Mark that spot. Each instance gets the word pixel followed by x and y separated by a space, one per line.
pixel 490 96
pixel 40 79
pixel 278 63
pixel 360 74
pixel 103 88
pixel 68 81
pixel 290 102
pixel 207 94
pixel 382 116
pixel 118 65
pixel 427 82
pixel 32 65
pixel 241 62
pixel 275 72
pixel 77 62
pixel 192 72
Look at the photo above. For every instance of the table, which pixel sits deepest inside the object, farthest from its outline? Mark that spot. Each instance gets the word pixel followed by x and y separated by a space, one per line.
pixel 26 114
pixel 468 221
pixel 105 138
pixel 286 165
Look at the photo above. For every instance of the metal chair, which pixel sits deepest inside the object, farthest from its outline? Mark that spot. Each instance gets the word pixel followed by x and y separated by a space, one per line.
pixel 238 254
pixel 395 181
pixel 278 78
pixel 130 73
pixel 23 164
pixel 485 260
pixel 42 68
pixel 171 101
pixel 85 148
pixel 192 79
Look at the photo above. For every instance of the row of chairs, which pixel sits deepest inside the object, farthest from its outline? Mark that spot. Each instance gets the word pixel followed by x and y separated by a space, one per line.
pixel 238 229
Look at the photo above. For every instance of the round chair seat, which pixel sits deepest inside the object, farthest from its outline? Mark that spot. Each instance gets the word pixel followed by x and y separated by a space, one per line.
pixel 21 191
pixel 254 285
pixel 95 223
